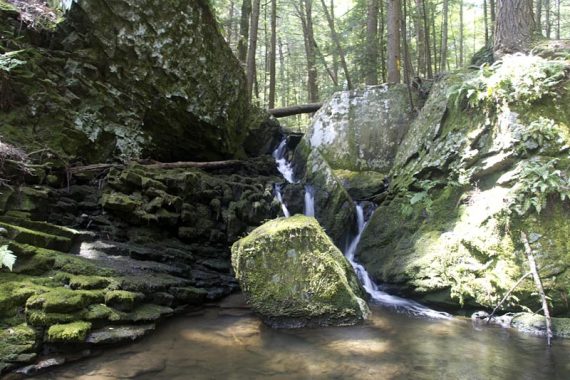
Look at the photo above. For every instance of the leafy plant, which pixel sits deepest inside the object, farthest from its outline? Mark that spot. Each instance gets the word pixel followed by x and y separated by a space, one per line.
pixel 7 258
pixel 537 181
pixel 515 78
pixel 539 134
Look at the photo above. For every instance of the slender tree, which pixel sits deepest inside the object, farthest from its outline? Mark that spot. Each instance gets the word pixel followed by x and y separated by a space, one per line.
pixel 461 27
pixel 557 19
pixel 244 30
pixel 305 12
pixel 421 38
pixel 253 25
pixel 444 39
pixel 538 16
pixel 394 17
pixel 273 55
pixel 548 21
pixel 514 26
pixel 336 41
pixel 372 42
pixel 486 22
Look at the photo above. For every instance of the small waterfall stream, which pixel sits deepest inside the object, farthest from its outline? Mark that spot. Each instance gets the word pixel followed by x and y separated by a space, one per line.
pixel 383 298
pixel 380 297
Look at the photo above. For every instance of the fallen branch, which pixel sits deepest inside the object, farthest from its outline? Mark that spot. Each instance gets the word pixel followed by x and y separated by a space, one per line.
pixel 507 296
pixel 538 283
pixel 161 165
pixel 295 110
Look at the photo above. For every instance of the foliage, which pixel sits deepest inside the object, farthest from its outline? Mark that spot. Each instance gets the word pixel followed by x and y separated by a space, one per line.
pixel 517 78
pixel 7 258
pixel 540 133
pixel 419 198
pixel 537 181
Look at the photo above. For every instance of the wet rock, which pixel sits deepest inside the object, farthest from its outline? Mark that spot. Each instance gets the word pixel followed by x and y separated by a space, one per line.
pixel 293 276
pixel 41 366
pixel 536 324
pixel 119 334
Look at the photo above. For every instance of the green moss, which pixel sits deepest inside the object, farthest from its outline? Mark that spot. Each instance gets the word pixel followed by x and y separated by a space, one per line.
pixel 36 238
pixel 82 282
pixel 536 324
pixel 15 341
pixel 123 300
pixel 292 275
pixel 74 332
pixel 62 300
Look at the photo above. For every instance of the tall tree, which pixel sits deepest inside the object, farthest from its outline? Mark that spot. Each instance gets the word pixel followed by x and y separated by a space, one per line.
pixel 538 16
pixel 486 22
pixel 421 38
pixel 548 21
pixel 557 19
pixel 337 43
pixel 393 64
pixel 461 27
pixel 244 30
pixel 305 12
pixel 253 25
pixel 514 26
pixel 371 68
pixel 444 39
pixel 273 54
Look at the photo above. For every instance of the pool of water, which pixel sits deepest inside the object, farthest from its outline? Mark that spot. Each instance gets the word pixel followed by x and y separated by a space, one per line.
pixel 228 342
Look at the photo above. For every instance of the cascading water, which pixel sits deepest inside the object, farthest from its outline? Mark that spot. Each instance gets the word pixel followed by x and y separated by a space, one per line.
pixel 309 201
pixel 286 170
pixel 377 295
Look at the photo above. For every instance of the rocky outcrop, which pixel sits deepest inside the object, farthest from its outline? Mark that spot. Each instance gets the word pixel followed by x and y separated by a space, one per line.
pixel 122 79
pixel 293 276
pixel 486 159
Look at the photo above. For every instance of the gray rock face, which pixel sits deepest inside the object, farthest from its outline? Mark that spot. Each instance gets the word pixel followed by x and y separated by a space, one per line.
pixel 119 334
pixel 360 130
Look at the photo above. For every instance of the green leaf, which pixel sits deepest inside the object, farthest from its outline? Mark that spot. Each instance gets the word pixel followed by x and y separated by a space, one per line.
pixel 7 258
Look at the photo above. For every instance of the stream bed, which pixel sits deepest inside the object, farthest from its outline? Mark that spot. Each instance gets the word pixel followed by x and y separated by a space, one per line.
pixel 227 341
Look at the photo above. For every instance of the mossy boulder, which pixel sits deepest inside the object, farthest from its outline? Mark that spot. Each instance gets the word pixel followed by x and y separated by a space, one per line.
pixel 486 159
pixel 294 276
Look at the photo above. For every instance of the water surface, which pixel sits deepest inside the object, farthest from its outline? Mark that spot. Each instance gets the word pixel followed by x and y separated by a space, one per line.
pixel 229 342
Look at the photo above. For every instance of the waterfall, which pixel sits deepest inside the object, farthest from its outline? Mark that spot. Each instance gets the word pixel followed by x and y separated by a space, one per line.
pixel 383 298
pixel 309 201
pixel 286 170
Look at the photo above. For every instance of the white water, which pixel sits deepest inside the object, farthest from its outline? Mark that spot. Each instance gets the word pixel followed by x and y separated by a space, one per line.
pixel 279 196
pixel 309 201
pixel 383 298
pixel 283 165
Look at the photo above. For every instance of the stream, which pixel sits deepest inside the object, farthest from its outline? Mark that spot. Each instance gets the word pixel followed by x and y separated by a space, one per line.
pixel 229 342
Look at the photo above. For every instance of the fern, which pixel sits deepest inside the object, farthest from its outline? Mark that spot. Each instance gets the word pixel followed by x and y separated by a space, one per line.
pixel 7 258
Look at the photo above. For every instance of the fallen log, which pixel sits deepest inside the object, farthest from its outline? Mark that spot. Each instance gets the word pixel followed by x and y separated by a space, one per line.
pixel 161 165
pixel 295 110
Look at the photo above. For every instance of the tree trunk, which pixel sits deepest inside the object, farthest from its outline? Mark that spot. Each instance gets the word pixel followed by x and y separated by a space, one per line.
pixel 427 40
pixel 335 56
pixel 538 16
pixel 407 61
pixel 493 9
pixel 514 26
pixel 486 22
pixel 231 23
pixel 461 44
pixel 336 41
pixel 421 38
pixel 372 42
pixel 382 42
pixel 244 31
pixel 434 38
pixel 557 19
pixel 547 16
pixel 284 81
pixel 444 30
pixel 306 14
pixel 394 17
pixel 253 25
pixel 295 110
pixel 273 54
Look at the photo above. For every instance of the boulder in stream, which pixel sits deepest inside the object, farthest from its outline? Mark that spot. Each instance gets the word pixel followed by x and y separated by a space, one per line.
pixel 294 276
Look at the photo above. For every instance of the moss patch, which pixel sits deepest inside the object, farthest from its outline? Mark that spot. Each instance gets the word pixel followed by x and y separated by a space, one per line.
pixel 75 332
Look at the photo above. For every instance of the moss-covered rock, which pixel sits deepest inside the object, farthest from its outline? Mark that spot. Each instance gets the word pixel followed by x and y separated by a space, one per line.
pixel 486 159
pixel 74 332
pixel 294 276
pixel 123 300
pixel 536 324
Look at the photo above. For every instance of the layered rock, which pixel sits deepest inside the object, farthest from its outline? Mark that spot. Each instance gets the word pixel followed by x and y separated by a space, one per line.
pixel 124 79
pixel 294 276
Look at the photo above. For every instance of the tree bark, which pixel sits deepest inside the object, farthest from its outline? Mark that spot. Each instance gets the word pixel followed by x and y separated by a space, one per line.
pixel 538 16
pixel 421 38
pixel 548 21
pixel 273 54
pixel 336 41
pixel 394 55
pixel 295 110
pixel 486 22
pixel 461 26
pixel 444 37
pixel 244 31
pixel 372 42
pixel 557 19
pixel 514 27
pixel 306 13
pixel 253 25
pixel 382 41
pixel 493 11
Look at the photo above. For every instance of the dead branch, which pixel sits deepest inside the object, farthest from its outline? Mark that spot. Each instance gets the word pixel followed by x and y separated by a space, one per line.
pixel 161 165
pixel 538 283
pixel 507 296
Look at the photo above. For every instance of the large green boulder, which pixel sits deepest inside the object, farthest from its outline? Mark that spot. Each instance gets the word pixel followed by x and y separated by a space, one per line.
pixel 486 160
pixel 294 276
pixel 127 78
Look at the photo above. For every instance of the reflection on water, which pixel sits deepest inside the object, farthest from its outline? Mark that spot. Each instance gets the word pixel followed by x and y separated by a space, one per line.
pixel 230 343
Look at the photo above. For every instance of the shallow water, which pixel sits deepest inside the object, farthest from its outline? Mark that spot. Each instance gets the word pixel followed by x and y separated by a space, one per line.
pixel 229 342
